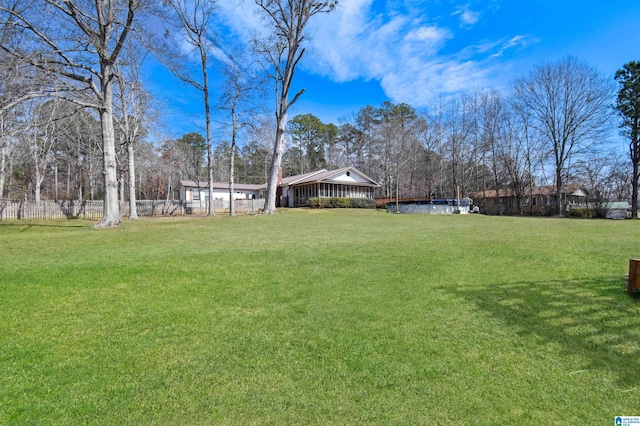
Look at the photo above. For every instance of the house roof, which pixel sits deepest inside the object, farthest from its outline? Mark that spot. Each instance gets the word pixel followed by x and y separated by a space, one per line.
pixel 491 193
pixel 570 188
pixel 327 176
pixel 322 175
pixel 221 185
pixel 292 180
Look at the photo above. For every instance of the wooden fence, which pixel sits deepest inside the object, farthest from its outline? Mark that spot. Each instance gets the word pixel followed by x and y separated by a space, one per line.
pixel 74 209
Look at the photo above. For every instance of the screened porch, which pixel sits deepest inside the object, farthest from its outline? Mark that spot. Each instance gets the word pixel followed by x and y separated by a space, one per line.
pixel 329 190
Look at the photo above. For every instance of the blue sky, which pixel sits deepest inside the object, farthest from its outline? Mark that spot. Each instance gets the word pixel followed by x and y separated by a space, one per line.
pixel 368 51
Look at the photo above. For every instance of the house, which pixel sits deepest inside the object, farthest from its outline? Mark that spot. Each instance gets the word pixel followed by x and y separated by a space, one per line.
pixel 190 191
pixel 293 191
pixel 347 182
pixel 540 201
pixel 543 201
pixel 491 201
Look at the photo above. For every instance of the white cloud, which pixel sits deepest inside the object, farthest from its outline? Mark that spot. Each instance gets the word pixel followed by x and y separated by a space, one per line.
pixel 408 52
pixel 402 52
pixel 430 35
pixel 516 41
pixel 468 17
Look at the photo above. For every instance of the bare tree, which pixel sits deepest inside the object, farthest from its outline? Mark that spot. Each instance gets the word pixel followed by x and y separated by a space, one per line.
pixel 488 117
pixel 78 146
pixel 257 151
pixel 240 87
pixel 283 52
pixel 4 145
pixel 194 18
pixel 18 84
pixel 399 130
pixel 458 148
pixel 524 151
pixel 569 105
pixel 133 106
pixel 77 43
pixel 598 178
pixel 9 126
pixel 434 138
pixel 40 139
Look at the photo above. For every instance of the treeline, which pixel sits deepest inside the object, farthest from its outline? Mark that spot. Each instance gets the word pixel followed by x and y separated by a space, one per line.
pixel 464 145
pixel 76 120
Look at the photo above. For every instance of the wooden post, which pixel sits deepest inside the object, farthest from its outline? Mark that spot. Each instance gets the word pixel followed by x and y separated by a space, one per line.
pixel 634 276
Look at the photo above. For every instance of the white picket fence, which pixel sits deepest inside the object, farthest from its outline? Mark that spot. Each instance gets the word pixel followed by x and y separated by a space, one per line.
pixel 74 209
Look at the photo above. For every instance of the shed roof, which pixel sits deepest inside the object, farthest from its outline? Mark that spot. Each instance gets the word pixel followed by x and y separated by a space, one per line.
pixel 322 175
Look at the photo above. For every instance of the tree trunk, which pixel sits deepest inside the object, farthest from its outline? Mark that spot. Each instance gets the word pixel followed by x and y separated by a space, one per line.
pixel 38 187
pixel 558 191
pixel 121 179
pixel 276 160
pixel 3 154
pixel 92 182
pixel 55 181
pixel 634 191
pixel 397 187
pixel 69 180
pixel 133 209
pixel 169 178
pixel 10 177
pixel 207 111
pixel 111 210
pixel 232 210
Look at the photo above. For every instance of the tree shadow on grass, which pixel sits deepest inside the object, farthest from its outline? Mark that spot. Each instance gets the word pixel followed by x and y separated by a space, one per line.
pixel 22 227
pixel 594 319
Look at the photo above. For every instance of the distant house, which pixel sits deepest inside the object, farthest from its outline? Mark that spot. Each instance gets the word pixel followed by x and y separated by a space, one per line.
pixel 294 191
pixel 540 201
pixel 190 191
pixel 618 210
pixel 493 201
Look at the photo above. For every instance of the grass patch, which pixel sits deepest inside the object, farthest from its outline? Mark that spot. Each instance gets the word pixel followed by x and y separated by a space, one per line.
pixel 319 317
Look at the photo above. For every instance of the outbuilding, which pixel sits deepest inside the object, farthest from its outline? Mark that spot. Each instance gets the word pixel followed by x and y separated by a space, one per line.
pixel 190 191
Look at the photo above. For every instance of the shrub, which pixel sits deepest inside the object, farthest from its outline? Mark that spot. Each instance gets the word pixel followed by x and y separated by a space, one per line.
pixel 344 203
pixel 581 212
pixel 341 203
pixel 363 203
pixel 313 203
pixel 319 203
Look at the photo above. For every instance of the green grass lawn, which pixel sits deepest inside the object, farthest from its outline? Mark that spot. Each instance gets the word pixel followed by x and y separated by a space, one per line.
pixel 319 317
